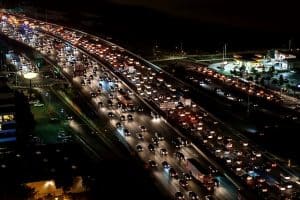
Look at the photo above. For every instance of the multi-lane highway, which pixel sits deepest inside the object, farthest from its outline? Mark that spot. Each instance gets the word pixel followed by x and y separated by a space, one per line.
pixel 141 101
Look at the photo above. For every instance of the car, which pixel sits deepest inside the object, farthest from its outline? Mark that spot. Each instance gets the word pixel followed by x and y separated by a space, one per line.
pixel 122 118
pixel 165 165
pixel 110 115
pixel 179 155
pixel 140 109
pixel 173 173
pixel 179 196
pixel 155 141
pixel 152 164
pixel 193 196
pixel 143 128
pixel 151 147
pixel 126 132
pixel 118 125
pixel 183 183
pixel 163 152
pixel 100 104
pixel 109 102
pixel 129 117
pixel 139 148
pixel 176 143
pixel 93 94
pixel 159 136
pixel 187 176
pixel 111 96
pixel 140 136
pixel 119 104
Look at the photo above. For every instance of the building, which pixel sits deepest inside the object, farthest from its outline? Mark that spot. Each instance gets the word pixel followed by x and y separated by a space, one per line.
pixel 7 113
pixel 287 59
pixel 249 61
pixel 280 55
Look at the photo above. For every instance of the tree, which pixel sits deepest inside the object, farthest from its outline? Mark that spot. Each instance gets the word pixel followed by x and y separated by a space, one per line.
pixel 271 70
pixel 242 69
pixel 268 78
pixel 262 81
pixel 275 81
pixel 253 70
pixel 257 76
pixel 281 80
pixel 250 78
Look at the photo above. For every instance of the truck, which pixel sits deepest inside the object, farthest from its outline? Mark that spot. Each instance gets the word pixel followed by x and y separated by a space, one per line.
pixel 124 98
pixel 203 175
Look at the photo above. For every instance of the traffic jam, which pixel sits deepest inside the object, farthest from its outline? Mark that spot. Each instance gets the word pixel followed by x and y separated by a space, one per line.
pixel 123 102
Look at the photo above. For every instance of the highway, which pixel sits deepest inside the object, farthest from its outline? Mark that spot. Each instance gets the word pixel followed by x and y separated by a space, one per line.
pixel 150 83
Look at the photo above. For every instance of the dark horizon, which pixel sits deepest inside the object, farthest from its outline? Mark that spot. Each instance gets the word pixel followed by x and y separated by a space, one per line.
pixel 204 25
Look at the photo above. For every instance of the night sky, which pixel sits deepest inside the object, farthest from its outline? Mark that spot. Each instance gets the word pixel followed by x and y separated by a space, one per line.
pixel 260 14
pixel 198 23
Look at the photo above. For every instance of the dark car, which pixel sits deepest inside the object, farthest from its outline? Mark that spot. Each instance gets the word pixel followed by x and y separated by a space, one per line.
pixel 151 147
pixel 126 132
pixel 109 102
pixel 129 117
pixel 110 114
pixel 118 125
pixel 163 152
pixel 122 118
pixel 179 196
pixel 165 165
pixel 173 173
pixel 152 164
pixel 140 109
pixel 155 141
pixel 187 177
pixel 176 143
pixel 140 136
pixel 139 148
pixel 193 196
pixel 179 155
pixel 143 128
pixel 100 104
pixel 159 136
pixel 183 183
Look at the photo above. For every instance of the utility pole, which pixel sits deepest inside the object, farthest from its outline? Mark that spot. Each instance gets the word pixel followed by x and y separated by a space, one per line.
pixel 290 44
pixel 155 49
pixel 248 103
pixel 225 49
pixel 224 52
pixel 16 78
pixel 181 47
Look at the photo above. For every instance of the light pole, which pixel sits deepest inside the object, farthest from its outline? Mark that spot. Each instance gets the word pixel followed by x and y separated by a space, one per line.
pixel 30 76
pixel 248 103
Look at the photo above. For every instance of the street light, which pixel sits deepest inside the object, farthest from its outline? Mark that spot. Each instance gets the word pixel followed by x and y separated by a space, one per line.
pixel 30 76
